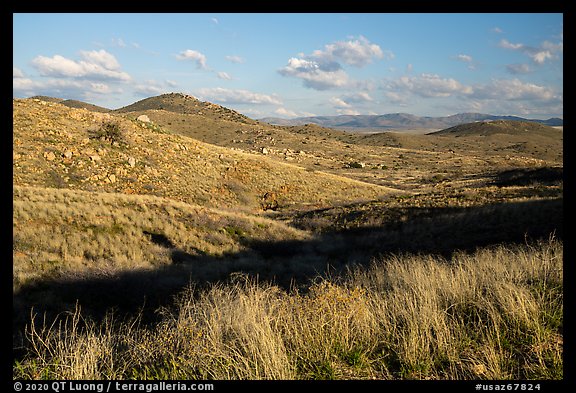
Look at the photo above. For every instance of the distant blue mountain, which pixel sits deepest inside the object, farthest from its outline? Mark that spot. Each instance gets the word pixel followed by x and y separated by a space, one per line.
pixel 398 121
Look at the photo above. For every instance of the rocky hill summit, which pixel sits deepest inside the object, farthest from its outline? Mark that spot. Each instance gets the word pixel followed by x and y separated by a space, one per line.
pixel 60 147
pixel 185 104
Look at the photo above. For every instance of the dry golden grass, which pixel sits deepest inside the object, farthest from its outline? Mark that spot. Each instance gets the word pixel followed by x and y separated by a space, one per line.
pixel 56 146
pixel 105 223
pixel 492 314
pixel 59 232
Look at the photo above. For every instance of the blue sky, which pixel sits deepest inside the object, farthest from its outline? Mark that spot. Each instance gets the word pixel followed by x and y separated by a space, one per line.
pixel 296 64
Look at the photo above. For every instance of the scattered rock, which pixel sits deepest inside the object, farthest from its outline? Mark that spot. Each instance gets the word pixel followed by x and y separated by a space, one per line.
pixel 132 162
pixel 67 154
pixel 265 150
pixel 50 156
pixel 95 158
pixel 112 178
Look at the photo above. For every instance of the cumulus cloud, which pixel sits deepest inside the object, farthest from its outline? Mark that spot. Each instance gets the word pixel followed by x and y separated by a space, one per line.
pixel 546 51
pixel 285 112
pixel 95 65
pixel 323 69
pixel 514 89
pixel 239 96
pixel 356 52
pixel 195 56
pixel 347 101
pixel 430 85
pixel 315 75
pixel 63 88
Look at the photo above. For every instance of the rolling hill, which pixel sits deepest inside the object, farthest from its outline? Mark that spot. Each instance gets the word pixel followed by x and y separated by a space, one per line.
pixel 510 127
pixel 185 104
pixel 62 147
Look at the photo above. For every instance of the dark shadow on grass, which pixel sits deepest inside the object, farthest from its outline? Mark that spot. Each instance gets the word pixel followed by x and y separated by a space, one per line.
pixel 440 231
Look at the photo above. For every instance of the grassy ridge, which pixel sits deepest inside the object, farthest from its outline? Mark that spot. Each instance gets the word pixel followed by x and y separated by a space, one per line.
pixel 492 314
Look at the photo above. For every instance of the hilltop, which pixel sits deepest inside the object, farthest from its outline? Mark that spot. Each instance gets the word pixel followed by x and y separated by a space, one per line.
pixel 72 103
pixel 62 147
pixel 510 127
pixel 187 105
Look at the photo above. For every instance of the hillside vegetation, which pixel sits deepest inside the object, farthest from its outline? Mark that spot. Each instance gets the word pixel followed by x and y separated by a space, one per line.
pixel 196 243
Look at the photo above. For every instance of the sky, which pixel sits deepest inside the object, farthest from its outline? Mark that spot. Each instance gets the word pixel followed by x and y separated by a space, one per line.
pixel 296 64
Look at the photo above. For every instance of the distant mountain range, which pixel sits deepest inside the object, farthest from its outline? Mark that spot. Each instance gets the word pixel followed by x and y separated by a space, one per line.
pixel 399 121
pixel 186 104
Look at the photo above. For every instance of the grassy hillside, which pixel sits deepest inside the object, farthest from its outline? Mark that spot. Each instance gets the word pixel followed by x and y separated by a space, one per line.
pixel 206 245
pixel 510 127
pixel 55 146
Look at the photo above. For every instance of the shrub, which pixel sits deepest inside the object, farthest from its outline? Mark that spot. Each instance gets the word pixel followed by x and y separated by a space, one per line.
pixel 109 131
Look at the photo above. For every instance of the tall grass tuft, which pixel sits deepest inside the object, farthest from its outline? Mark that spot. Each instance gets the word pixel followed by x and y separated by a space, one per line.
pixel 495 313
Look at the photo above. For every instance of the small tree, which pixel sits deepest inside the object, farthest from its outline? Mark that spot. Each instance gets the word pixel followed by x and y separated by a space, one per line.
pixel 108 131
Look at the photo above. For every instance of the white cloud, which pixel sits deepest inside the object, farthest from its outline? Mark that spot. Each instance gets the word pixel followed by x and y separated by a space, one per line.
pixel 17 73
pixel 514 89
pixel 546 51
pixel 99 65
pixel 518 68
pixel 339 103
pixel 344 103
pixel 497 30
pixel 215 21
pixel 228 96
pixel 235 59
pixel 171 83
pixel 285 112
pixel 504 43
pixel 195 56
pixel 224 75
pixel 101 58
pixel 464 58
pixel 357 97
pixel 467 59
pixel 430 85
pixel 323 70
pixel 356 52
pixel 397 98
pixel 63 88
pixel 315 75
pixel 347 111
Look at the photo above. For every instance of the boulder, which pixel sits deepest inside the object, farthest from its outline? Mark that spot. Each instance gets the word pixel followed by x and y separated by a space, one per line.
pixel 143 118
